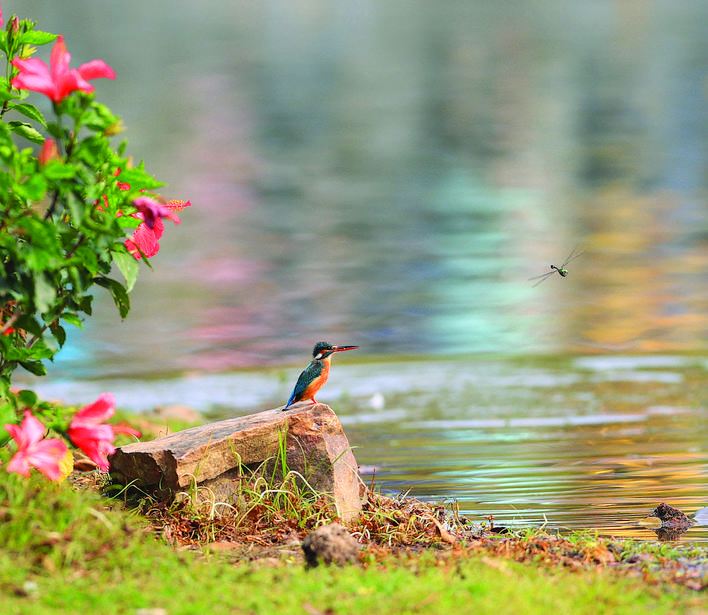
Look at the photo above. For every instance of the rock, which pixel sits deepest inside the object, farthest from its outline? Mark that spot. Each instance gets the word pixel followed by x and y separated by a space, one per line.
pixel 218 455
pixel 331 544
pixel 674 523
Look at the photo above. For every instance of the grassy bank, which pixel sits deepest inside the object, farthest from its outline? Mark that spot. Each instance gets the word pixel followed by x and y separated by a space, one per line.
pixel 68 549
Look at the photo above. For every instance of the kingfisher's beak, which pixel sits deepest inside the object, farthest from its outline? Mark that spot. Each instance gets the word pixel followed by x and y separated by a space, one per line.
pixel 343 348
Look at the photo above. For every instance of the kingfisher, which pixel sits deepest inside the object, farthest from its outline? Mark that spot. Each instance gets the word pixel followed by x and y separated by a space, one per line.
pixel 315 374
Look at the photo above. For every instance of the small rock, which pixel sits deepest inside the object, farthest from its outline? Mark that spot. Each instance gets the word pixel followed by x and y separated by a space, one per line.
pixel 673 522
pixel 331 544
pixel 84 465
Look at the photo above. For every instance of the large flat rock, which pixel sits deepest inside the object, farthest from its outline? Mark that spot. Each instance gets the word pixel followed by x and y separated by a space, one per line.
pixel 218 455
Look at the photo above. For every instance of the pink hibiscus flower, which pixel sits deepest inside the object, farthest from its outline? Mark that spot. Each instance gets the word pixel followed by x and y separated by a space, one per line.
pixel 152 210
pixel 33 450
pixel 145 237
pixel 58 80
pixel 88 431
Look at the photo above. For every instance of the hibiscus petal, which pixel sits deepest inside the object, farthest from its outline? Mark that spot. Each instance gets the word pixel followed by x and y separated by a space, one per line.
pixel 70 81
pixel 127 429
pixel 59 59
pixel 96 69
pixel 81 435
pixel 97 412
pixel 34 75
pixel 46 457
pixel 29 432
pixel 95 441
pixel 98 451
pixel 159 228
pixel 19 464
pixel 152 210
pixel 145 239
pixel 33 428
pixel 32 66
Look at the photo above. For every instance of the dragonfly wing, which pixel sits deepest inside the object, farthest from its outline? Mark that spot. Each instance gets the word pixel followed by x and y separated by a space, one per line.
pixel 572 256
pixel 541 278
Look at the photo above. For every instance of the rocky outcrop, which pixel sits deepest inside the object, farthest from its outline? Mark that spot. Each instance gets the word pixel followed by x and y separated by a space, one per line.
pixel 220 455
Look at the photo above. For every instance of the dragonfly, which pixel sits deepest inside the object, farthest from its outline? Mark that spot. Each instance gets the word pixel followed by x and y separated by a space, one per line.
pixel 561 270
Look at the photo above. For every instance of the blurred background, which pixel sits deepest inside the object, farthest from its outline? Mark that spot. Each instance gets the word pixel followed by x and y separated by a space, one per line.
pixel 390 173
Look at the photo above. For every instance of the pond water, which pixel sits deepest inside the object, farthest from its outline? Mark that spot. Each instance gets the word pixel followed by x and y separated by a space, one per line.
pixel 390 174
pixel 591 442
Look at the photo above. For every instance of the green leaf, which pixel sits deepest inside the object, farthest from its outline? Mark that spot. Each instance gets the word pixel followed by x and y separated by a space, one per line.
pixel 59 334
pixel 57 169
pixel 33 189
pixel 34 367
pixel 139 179
pixel 29 111
pixel 128 266
pixel 7 415
pixel 6 93
pixel 86 305
pixel 37 37
pixel 28 398
pixel 99 117
pixel 26 131
pixel 73 319
pixel 118 292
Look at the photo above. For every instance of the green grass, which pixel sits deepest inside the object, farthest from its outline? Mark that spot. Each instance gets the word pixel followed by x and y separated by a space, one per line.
pixel 183 584
pixel 65 550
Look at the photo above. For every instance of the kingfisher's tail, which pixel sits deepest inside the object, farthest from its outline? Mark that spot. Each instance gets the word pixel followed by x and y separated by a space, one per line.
pixel 291 401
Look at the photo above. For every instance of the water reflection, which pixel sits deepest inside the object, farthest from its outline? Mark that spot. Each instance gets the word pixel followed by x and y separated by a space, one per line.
pixel 391 174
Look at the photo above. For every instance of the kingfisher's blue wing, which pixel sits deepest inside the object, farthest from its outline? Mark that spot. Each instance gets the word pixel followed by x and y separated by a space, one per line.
pixel 308 375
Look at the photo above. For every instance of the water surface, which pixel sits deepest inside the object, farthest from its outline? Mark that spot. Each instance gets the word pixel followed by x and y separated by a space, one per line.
pixel 389 174
pixel 592 442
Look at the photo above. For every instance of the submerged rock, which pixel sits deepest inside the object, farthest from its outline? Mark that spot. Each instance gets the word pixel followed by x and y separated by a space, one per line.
pixel 330 544
pixel 674 523
pixel 308 440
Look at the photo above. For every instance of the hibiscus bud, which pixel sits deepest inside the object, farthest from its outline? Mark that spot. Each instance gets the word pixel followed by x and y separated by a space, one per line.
pixel 49 151
pixel 14 26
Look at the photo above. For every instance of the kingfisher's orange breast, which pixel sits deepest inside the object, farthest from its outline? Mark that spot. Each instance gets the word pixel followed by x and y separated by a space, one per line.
pixel 317 383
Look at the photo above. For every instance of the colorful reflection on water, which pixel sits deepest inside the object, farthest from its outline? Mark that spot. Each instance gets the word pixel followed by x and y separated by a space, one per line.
pixel 390 175
pixel 585 443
